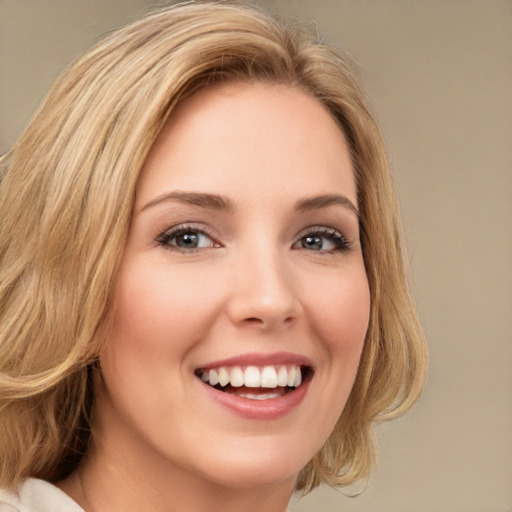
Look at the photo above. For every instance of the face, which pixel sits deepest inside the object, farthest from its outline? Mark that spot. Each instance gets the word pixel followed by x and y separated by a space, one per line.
pixel 242 301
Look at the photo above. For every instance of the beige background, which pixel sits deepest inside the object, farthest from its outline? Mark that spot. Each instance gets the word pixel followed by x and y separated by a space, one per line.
pixel 440 75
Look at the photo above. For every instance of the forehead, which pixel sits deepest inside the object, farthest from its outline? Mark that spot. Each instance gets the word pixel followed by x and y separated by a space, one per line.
pixel 260 135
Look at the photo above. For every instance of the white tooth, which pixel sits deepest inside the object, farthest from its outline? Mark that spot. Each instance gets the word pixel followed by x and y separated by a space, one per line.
pixel 236 377
pixel 298 378
pixel 269 377
pixel 266 396
pixel 252 377
pixel 223 376
pixel 282 376
pixel 291 376
pixel 213 377
pixel 204 376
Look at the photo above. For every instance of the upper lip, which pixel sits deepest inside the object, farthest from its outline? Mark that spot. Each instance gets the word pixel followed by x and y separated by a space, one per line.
pixel 260 359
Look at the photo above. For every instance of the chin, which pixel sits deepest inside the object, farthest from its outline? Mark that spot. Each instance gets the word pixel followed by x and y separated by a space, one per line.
pixel 255 466
pixel 244 475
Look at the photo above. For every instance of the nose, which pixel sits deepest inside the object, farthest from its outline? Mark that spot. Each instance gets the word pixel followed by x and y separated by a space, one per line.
pixel 263 293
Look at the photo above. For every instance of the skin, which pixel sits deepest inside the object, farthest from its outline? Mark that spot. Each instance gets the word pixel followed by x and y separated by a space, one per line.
pixel 253 286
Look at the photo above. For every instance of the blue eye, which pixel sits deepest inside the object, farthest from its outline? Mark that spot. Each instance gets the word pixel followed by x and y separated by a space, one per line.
pixel 322 240
pixel 186 239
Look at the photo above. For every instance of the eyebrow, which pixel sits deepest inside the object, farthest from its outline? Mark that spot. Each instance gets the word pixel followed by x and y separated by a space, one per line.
pixel 323 201
pixel 203 200
pixel 222 203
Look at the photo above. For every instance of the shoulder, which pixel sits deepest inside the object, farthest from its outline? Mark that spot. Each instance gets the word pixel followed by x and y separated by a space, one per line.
pixel 37 496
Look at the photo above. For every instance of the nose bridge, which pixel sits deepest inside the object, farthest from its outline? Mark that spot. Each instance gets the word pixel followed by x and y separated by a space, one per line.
pixel 263 289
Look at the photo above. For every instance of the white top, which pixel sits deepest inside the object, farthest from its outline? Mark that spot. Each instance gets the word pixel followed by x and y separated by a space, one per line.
pixel 37 496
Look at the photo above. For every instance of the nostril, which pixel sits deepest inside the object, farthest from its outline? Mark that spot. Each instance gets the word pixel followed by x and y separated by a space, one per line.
pixel 267 322
pixel 254 320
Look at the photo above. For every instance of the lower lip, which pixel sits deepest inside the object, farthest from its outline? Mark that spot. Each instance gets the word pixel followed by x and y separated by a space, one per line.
pixel 270 409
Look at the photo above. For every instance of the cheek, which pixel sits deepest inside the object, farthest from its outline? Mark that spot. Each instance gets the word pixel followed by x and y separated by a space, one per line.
pixel 158 319
pixel 151 332
pixel 341 313
pixel 340 317
pixel 155 307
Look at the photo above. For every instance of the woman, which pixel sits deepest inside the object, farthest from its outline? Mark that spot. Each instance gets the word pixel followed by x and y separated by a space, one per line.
pixel 203 297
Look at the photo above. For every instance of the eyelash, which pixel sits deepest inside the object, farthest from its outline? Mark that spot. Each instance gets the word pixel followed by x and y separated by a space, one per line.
pixel 165 238
pixel 341 244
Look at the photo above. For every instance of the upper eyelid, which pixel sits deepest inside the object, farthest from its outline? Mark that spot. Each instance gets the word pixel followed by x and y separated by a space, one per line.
pixel 322 230
pixel 205 228
pixel 177 229
pixel 192 226
pixel 201 227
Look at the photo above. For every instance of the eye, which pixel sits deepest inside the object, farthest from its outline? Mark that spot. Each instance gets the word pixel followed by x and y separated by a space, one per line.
pixel 186 239
pixel 322 239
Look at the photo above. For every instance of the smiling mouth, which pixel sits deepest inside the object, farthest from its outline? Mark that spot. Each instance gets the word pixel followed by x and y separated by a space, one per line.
pixel 255 382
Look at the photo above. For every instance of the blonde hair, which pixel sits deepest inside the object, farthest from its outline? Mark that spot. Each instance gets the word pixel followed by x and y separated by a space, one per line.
pixel 66 196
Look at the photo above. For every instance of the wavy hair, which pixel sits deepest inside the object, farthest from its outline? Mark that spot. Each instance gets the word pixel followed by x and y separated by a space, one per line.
pixel 66 195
